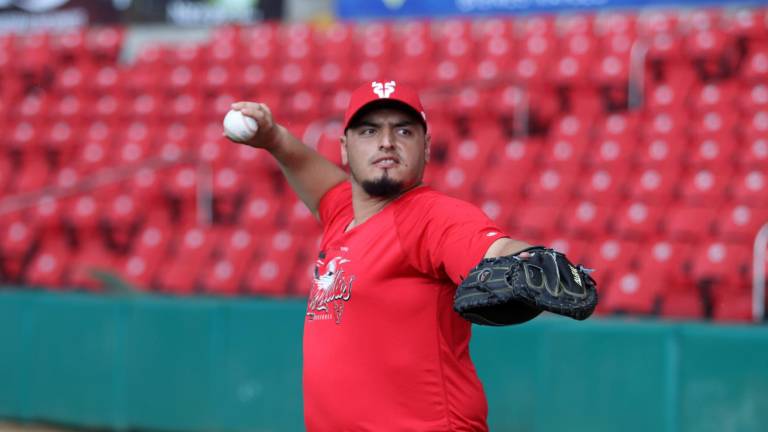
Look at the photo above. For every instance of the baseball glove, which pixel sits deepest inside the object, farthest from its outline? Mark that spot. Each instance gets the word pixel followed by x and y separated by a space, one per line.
pixel 516 288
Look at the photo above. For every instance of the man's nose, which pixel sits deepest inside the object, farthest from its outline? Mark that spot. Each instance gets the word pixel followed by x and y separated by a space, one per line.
pixel 387 140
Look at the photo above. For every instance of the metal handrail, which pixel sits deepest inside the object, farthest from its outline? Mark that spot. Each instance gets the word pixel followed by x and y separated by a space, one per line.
pixel 111 175
pixel 636 79
pixel 758 273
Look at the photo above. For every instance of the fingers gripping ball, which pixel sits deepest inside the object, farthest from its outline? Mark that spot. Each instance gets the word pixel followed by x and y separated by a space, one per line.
pixel 239 127
pixel 516 288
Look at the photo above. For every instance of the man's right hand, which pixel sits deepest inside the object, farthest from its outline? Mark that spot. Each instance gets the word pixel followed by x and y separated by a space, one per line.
pixel 268 133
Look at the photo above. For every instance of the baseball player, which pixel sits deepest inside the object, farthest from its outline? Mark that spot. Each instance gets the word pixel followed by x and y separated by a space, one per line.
pixel 384 349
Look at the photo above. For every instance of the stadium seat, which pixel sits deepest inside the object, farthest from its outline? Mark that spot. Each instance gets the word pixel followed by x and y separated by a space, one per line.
pixel 551 184
pixel 585 219
pixel 634 292
pixel 180 272
pixel 690 224
pixel 661 152
pixel 538 218
pixel 682 305
pixel 270 273
pixel 739 223
pixel 705 187
pixel 226 268
pixel 716 153
pixel 733 307
pixel 611 255
pixel 603 186
pixel 753 98
pixel 120 220
pixel 669 258
pixel 755 66
pixel 18 240
pixel 91 266
pixel 653 185
pixel 637 220
pixel 751 188
pixel 49 266
pixel 722 263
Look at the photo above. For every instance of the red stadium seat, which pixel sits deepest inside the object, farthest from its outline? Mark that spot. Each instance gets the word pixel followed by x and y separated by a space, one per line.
pixel 733 307
pixel 18 240
pixel 740 222
pixel 260 212
pixel 603 186
pixel 611 255
pixel 748 23
pixel 669 258
pixel 690 224
pixel 756 125
pixel 632 291
pixel 300 219
pixel 270 273
pixel 637 220
pixel 753 98
pixel 585 218
pixel 755 66
pixel 715 153
pixel 705 187
pixel 49 266
pixel 89 267
pixel 120 219
pixel 653 185
pixel 722 263
pixel 500 211
pixel 665 97
pixel 713 97
pixel 538 218
pixel 714 124
pixel 456 182
pixel 181 270
pixel 751 188
pixel 225 272
pixel 682 305
pixel 551 184
pixel 569 245
pixel 661 153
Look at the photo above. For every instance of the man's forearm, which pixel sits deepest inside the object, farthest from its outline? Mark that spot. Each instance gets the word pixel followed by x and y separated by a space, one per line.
pixel 505 246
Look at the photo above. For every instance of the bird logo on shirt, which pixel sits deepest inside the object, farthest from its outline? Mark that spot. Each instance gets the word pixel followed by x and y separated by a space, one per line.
pixel 330 287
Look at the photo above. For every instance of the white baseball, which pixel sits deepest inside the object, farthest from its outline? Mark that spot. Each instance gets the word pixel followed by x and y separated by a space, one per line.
pixel 239 127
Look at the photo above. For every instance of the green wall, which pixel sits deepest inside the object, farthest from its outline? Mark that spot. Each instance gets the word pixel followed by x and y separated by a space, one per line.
pixel 200 364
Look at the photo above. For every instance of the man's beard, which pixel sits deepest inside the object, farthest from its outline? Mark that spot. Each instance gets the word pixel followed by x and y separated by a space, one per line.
pixel 382 187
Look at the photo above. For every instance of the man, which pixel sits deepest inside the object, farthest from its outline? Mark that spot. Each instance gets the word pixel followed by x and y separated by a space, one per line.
pixel 383 348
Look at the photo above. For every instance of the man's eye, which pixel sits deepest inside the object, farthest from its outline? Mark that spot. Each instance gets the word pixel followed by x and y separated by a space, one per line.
pixel 367 131
pixel 405 132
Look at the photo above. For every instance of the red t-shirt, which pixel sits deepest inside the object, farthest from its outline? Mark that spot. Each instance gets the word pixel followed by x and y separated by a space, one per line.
pixel 383 348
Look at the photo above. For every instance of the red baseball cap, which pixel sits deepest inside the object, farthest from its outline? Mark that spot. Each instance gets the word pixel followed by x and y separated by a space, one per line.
pixel 379 91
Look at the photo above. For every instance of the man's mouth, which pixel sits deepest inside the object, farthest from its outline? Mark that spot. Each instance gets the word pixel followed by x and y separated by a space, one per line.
pixel 386 162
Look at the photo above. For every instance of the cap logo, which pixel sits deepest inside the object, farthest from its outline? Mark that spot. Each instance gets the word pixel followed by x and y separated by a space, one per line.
pixel 383 90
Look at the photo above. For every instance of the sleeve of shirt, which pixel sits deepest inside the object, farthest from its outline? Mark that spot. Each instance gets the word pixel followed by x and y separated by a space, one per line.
pixel 444 236
pixel 333 203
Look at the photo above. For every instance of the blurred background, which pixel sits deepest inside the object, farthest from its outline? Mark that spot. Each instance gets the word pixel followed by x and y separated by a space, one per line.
pixel 153 274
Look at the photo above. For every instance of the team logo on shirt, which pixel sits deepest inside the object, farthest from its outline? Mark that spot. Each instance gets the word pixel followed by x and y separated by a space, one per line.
pixel 331 289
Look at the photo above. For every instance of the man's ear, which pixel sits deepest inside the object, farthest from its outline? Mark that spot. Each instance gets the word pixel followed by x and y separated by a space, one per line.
pixel 343 149
pixel 427 146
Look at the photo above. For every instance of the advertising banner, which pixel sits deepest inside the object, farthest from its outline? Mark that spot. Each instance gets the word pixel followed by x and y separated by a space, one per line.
pixel 356 9
pixel 31 15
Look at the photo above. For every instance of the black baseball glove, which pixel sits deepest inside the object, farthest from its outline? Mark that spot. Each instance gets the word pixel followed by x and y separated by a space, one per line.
pixel 516 288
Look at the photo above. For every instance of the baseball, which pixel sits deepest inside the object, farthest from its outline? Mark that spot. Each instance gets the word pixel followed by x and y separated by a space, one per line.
pixel 239 127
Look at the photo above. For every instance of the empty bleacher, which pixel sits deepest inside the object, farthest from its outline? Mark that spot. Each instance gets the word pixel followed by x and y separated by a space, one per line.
pixel 636 142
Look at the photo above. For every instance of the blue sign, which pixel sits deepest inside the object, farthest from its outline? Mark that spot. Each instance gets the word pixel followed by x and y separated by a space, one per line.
pixel 438 8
